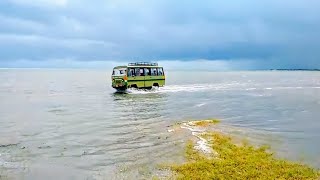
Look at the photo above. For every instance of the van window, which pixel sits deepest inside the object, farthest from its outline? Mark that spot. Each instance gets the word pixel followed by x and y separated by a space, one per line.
pixel 147 71
pixel 131 72
pixel 160 71
pixel 139 72
pixel 154 72
pixel 119 72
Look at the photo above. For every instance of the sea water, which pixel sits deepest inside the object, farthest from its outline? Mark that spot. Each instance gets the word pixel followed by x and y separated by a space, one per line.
pixel 70 124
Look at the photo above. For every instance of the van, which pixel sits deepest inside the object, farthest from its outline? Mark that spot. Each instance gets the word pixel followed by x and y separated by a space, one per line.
pixel 141 75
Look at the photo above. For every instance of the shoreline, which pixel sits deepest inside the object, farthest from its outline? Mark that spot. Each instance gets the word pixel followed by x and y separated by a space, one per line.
pixel 215 154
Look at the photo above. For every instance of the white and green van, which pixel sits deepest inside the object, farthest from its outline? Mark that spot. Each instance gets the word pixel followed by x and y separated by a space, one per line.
pixel 138 75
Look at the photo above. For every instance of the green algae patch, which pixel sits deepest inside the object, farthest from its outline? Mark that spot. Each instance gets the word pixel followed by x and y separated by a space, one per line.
pixel 238 161
pixel 206 122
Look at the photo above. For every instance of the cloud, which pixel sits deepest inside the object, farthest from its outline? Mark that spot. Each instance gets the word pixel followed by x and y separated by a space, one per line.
pixel 269 32
pixel 41 3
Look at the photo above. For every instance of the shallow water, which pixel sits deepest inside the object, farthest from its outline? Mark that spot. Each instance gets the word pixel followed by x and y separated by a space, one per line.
pixel 69 124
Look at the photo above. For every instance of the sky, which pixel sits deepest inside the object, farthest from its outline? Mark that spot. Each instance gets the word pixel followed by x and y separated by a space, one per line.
pixel 212 34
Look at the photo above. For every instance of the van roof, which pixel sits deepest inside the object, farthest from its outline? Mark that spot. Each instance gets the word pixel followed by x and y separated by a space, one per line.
pixel 139 64
pixel 119 67
pixel 143 64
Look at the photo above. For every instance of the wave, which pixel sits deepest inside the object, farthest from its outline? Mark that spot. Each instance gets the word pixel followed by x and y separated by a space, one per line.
pixel 212 87
pixel 184 88
pixel 199 105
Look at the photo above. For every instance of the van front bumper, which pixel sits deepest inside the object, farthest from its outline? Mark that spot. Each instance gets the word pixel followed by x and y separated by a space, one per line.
pixel 119 85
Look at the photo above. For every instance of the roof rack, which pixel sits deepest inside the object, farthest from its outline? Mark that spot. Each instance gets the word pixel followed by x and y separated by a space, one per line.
pixel 143 64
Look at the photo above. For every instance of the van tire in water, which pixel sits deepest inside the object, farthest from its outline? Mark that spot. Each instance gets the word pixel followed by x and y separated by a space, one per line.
pixel 133 86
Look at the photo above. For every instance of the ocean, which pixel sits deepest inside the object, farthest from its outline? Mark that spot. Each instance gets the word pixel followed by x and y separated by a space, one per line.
pixel 70 124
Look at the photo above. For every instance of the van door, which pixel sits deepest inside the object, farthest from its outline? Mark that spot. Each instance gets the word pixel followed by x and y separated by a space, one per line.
pixel 137 79
pixel 161 76
pixel 148 78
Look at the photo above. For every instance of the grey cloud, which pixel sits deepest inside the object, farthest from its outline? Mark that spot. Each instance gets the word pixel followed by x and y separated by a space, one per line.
pixel 279 32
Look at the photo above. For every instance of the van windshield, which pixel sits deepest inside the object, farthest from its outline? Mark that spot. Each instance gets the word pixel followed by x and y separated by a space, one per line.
pixel 119 72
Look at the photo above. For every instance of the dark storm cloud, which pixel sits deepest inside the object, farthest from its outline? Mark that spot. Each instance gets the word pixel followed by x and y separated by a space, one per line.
pixel 272 33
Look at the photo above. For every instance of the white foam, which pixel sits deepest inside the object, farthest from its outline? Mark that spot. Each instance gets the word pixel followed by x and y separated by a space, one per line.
pixel 199 105
pixel 191 127
pixel 185 88
pixel 209 87
pixel 143 91
pixel 250 89
pixel 272 120
pixel 202 143
pixel 297 87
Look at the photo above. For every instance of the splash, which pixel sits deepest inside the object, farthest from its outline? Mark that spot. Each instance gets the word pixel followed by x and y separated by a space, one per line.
pixel 143 91
pixel 211 87
pixel 185 88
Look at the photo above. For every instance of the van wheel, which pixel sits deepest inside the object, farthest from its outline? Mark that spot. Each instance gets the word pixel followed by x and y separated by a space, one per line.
pixel 155 84
pixel 133 86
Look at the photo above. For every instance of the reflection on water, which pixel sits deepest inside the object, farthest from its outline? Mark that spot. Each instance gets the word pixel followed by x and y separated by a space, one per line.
pixel 139 106
pixel 70 124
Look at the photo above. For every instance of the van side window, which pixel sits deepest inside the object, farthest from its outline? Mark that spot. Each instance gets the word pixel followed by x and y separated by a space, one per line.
pixel 131 72
pixel 141 72
pixel 147 72
pixel 137 71
pixel 160 71
pixel 154 72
